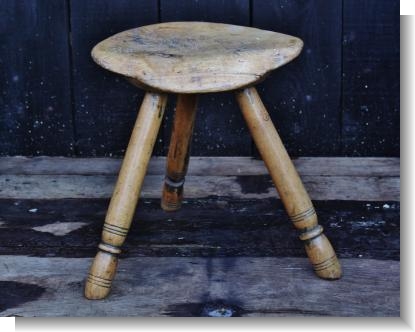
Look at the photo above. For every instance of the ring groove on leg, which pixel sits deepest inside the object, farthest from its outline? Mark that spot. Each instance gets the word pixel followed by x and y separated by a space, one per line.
pixel 325 264
pixel 303 215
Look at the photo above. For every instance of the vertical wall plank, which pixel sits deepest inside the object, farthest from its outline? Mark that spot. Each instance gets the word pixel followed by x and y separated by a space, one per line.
pixel 106 105
pixel 371 78
pixel 35 104
pixel 303 97
pixel 219 128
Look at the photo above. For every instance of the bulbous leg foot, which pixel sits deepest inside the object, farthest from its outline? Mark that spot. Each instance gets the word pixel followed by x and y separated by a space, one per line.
pixel 100 276
pixel 322 257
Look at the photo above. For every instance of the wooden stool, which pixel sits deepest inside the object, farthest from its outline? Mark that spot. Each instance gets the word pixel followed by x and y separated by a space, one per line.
pixel 188 58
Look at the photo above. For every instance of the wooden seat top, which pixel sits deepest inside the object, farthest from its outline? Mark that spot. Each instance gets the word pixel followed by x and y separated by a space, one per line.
pixel 195 57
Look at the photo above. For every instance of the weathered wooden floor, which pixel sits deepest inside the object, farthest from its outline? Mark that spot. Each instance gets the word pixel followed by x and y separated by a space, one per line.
pixel 229 251
pixel 195 286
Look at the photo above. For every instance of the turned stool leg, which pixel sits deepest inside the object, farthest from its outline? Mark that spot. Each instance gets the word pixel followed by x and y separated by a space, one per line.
pixel 290 188
pixel 125 196
pixel 178 156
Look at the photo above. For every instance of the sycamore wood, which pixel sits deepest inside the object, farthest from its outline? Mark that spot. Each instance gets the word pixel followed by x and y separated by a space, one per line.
pixel 195 57
pixel 125 197
pixel 288 183
pixel 189 58
pixel 178 155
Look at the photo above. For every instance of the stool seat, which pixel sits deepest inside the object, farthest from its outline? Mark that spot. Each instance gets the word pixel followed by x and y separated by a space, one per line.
pixel 195 57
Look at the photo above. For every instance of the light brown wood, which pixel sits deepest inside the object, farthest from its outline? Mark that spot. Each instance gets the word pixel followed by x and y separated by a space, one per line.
pixel 288 183
pixel 183 286
pixel 125 197
pixel 179 149
pixel 195 57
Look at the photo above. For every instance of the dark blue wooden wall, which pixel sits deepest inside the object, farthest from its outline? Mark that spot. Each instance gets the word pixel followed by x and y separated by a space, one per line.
pixel 339 98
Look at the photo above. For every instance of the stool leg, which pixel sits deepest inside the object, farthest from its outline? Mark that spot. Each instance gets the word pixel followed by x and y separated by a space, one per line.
pixel 178 155
pixel 125 196
pixel 290 188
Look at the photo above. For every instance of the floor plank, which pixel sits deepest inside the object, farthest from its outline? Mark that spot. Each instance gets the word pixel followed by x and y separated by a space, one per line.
pixel 232 240
pixel 220 166
pixel 243 286
pixel 364 179
pixel 203 227
pixel 101 186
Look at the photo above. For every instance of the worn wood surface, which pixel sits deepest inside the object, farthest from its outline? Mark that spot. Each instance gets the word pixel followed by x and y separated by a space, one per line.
pixel 242 286
pixel 360 179
pixel 101 186
pixel 323 166
pixel 195 57
pixel 55 239
pixel 35 87
pixel 203 227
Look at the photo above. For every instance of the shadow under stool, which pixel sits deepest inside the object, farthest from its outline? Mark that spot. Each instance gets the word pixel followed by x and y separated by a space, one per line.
pixel 189 58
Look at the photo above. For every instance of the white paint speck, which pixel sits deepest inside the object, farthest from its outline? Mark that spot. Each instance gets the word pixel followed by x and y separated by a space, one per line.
pixel 33 210
pixel 386 206
pixel 60 228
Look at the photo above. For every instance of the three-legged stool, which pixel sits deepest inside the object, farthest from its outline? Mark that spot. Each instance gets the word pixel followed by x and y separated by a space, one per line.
pixel 188 58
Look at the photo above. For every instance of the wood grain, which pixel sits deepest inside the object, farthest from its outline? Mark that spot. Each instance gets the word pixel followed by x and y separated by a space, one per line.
pixel 203 227
pixel 195 57
pixel 179 152
pixel 271 287
pixel 126 194
pixel 220 166
pixel 366 188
